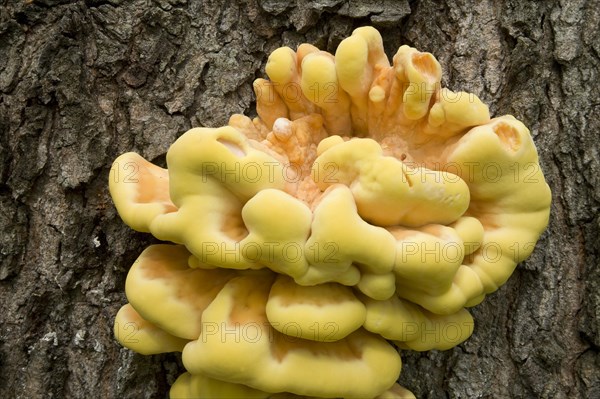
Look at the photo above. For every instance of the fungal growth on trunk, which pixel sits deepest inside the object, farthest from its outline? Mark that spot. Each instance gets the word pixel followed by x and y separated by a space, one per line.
pixel 363 210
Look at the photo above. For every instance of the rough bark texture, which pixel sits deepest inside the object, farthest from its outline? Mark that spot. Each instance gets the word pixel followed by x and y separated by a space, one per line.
pixel 84 81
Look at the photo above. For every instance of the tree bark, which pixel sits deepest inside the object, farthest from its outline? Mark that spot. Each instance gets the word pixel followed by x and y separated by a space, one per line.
pixel 84 81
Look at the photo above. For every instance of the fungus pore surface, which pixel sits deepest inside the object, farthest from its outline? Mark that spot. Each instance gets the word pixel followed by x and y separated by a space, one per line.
pixel 363 210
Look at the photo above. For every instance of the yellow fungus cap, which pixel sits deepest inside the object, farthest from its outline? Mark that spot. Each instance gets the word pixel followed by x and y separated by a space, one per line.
pixel 360 365
pixel 166 292
pixel 140 190
pixel 387 192
pixel 412 327
pixel 194 386
pixel 325 312
pixel 396 392
pixel 139 335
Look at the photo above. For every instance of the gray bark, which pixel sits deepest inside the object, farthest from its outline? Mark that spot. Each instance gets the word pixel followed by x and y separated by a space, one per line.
pixel 84 81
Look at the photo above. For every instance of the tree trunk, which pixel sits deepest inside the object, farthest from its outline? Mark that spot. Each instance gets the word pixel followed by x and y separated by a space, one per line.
pixel 84 81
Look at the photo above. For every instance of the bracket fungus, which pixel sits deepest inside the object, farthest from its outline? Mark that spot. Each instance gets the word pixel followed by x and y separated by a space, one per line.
pixel 363 209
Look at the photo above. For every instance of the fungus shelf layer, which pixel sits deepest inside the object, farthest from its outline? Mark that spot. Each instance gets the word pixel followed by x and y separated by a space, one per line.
pixel 365 204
